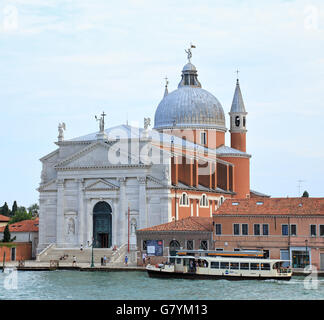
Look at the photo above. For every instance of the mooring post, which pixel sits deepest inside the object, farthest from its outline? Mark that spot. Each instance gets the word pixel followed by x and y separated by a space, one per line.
pixel 4 261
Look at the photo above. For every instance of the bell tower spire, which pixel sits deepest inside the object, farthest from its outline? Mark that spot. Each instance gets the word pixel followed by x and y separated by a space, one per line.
pixel 238 119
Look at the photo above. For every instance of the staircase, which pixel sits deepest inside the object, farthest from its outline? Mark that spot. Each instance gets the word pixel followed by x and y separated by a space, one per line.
pixel 114 258
pixel 53 253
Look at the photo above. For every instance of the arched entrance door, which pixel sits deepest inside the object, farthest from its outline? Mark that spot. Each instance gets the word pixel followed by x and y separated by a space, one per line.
pixel 173 247
pixel 102 225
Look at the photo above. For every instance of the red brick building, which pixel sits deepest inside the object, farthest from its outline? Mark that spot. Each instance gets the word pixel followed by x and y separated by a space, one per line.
pixel 25 243
pixel 204 170
pixel 288 228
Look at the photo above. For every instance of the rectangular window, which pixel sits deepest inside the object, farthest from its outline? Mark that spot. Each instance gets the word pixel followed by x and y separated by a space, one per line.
pixel 244 266
pixel 214 265
pixel 224 265
pixel 236 229
pixel 203 138
pixel 313 230
pixel 255 266
pixel 178 261
pixel 144 245
pixel 13 254
pixel 219 249
pixel 321 230
pixel 237 249
pixel 218 229
pixel 265 266
pixel 265 229
pixel 293 230
pixel 284 229
pixel 245 229
pixel 234 265
pixel 256 229
pixel 190 245
pixel 204 245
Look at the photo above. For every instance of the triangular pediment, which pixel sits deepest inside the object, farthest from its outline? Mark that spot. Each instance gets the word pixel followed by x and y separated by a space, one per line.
pixel 101 184
pixel 98 154
pixel 49 186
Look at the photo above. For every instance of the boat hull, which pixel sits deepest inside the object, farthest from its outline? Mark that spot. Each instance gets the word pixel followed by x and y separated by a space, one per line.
pixel 193 276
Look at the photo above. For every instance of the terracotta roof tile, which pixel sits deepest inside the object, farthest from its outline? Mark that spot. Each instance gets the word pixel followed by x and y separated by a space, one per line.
pixel 273 206
pixel 4 218
pixel 23 226
pixel 186 224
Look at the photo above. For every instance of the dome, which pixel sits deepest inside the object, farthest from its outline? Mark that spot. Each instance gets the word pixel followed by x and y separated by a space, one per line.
pixel 189 67
pixel 189 106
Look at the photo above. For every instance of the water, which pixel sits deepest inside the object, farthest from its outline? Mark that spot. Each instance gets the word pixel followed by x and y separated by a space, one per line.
pixel 76 285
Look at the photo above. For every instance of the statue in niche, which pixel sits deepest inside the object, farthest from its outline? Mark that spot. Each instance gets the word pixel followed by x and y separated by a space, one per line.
pixel 133 226
pixel 71 227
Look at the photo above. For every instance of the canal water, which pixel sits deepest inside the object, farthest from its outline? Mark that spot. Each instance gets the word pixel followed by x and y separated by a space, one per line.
pixel 74 285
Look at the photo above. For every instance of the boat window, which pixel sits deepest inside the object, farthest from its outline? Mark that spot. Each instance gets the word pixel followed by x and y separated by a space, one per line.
pixel 255 266
pixel 244 266
pixel 205 264
pixel 178 261
pixel 265 266
pixel 224 265
pixel 214 265
pixel 234 265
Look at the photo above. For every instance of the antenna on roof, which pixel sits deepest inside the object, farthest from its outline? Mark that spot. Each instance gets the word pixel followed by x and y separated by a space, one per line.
pixel 299 186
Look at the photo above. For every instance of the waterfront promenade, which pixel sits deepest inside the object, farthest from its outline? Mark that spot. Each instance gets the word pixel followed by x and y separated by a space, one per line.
pixel 33 265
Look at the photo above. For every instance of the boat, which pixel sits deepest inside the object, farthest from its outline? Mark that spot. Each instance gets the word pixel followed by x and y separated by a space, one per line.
pixel 210 266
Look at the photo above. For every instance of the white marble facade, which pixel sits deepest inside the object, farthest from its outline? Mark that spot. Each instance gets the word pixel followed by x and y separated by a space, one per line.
pixel 80 174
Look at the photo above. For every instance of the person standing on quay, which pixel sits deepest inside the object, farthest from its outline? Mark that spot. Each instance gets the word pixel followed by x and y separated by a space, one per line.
pixel 74 261
pixel 126 260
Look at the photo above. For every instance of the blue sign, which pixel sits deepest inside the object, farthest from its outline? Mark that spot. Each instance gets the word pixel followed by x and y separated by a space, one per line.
pixel 154 247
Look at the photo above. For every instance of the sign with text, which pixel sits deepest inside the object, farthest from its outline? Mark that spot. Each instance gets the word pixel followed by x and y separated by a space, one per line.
pixel 154 247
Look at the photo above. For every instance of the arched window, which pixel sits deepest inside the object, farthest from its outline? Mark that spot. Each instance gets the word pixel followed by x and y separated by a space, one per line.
pixel 184 200
pixel 244 122
pixel 203 201
pixel 221 200
pixel 237 121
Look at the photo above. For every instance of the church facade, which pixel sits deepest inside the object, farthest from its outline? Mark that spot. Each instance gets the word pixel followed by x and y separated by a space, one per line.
pixel 99 188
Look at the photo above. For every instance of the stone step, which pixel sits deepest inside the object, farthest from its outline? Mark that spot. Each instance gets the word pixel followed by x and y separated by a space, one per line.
pixel 81 256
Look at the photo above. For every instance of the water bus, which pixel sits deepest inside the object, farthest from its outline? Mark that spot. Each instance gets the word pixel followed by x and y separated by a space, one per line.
pixel 235 265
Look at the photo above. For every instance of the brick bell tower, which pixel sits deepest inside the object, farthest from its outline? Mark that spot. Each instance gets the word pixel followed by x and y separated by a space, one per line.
pixel 238 120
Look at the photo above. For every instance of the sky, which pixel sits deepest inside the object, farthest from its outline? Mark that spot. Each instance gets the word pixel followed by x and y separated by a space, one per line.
pixel 67 61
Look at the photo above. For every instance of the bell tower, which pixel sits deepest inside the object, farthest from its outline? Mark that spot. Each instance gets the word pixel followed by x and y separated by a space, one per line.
pixel 238 120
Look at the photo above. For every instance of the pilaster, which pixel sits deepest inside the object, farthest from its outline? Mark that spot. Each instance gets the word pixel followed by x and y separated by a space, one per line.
pixel 60 213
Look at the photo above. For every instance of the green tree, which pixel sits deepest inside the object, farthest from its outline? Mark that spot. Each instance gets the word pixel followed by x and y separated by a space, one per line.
pixel 305 194
pixel 20 215
pixel 7 235
pixel 4 210
pixel 33 209
pixel 14 208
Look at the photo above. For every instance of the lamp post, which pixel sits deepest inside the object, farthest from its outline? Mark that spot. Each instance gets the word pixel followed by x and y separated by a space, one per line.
pixel 92 264
pixel 306 242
